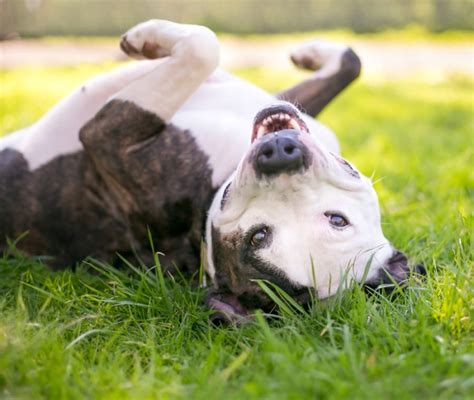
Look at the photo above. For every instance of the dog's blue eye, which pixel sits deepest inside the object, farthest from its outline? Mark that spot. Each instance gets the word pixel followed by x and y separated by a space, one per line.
pixel 337 220
pixel 258 237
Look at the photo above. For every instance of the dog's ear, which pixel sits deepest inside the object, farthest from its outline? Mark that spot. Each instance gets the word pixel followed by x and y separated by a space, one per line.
pixel 395 271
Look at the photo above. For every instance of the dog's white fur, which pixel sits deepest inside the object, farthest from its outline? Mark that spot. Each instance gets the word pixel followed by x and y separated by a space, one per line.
pixel 218 109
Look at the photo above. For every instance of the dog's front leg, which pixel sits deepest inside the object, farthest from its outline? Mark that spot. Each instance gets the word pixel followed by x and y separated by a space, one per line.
pixel 335 66
pixel 140 111
pixel 192 53
pixel 147 168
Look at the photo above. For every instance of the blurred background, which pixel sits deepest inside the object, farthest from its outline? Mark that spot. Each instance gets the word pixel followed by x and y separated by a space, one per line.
pixel 393 37
pixel 109 17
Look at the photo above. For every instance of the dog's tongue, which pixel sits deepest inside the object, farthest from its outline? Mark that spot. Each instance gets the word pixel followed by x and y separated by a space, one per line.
pixel 227 309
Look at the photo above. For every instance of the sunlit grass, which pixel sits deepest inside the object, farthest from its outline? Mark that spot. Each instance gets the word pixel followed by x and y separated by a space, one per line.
pixel 121 334
pixel 27 93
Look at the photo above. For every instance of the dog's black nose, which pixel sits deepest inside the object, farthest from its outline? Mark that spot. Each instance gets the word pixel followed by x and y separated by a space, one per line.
pixel 280 152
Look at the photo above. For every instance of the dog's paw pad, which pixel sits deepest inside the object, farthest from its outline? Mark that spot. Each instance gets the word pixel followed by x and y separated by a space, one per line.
pixel 141 42
pixel 128 48
pixel 314 54
pixel 305 61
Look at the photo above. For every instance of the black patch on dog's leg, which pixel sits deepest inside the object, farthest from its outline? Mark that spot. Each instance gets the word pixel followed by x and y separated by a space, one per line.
pixel 313 94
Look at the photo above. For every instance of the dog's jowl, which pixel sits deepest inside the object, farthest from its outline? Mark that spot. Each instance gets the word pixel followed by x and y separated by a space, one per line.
pixel 163 145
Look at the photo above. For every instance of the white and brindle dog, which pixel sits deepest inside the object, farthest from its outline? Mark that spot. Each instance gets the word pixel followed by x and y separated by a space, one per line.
pixel 162 144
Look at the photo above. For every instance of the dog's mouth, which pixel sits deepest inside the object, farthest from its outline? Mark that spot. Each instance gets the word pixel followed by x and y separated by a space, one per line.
pixel 277 118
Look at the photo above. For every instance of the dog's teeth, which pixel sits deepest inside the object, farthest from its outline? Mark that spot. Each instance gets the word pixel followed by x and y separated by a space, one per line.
pixel 261 131
pixel 277 121
pixel 294 124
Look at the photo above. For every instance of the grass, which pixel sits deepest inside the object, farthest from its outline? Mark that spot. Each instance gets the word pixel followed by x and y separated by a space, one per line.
pixel 129 334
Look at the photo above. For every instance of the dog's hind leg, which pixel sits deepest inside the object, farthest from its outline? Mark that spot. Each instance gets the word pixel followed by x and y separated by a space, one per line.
pixel 335 66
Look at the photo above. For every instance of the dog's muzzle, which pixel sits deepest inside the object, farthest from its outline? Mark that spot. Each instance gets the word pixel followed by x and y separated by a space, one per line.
pixel 276 137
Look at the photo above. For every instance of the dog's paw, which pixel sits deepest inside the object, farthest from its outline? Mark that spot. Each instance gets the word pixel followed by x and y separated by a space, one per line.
pixel 141 41
pixel 316 54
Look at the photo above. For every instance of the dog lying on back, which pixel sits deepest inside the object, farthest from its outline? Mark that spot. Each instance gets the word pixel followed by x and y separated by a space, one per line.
pixel 167 143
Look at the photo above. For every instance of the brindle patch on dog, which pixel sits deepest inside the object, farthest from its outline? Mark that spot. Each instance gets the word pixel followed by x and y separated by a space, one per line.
pixel 135 173
pixel 56 209
pixel 156 174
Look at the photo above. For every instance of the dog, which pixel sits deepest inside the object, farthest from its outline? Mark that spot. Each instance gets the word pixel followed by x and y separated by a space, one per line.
pixel 173 146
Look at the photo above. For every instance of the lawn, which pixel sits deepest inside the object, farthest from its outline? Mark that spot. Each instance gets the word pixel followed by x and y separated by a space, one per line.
pixel 126 334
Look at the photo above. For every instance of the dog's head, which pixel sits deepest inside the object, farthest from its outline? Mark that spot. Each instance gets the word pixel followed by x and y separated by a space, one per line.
pixel 296 215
